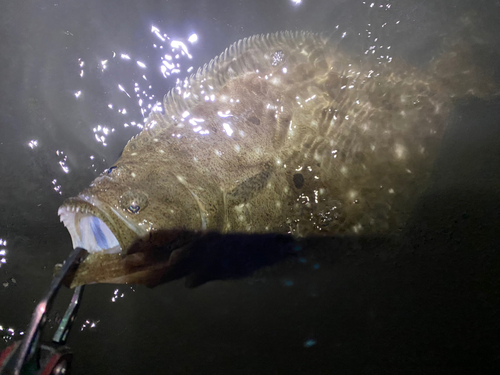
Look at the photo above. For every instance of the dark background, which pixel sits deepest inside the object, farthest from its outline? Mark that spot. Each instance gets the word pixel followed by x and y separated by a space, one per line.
pixel 428 301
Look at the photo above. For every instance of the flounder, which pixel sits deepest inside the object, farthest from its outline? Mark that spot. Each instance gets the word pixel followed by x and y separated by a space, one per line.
pixel 281 133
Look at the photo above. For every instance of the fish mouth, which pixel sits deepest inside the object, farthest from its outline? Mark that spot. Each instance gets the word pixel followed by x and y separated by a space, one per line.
pixel 120 252
pixel 92 228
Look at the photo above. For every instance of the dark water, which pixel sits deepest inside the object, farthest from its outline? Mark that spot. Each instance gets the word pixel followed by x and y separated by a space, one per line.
pixel 427 302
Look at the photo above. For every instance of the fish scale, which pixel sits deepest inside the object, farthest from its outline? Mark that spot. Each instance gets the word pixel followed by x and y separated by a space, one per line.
pixel 280 133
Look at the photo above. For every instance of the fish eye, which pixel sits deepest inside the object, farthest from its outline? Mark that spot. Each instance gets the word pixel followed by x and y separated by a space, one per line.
pixel 133 208
pixel 134 201
pixel 110 169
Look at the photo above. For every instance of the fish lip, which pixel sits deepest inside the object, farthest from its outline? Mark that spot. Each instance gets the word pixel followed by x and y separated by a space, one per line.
pixel 74 209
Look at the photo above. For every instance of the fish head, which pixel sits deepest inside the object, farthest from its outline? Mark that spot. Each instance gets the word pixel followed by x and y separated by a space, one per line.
pixel 125 203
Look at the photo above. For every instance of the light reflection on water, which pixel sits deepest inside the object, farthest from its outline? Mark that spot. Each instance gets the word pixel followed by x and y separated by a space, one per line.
pixel 7 333
pixel 3 252
pixel 171 64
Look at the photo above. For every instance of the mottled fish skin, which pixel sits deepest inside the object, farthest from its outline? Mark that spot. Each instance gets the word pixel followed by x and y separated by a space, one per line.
pixel 280 133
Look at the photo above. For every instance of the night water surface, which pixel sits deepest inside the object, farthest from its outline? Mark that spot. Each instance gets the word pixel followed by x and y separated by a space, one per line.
pixel 77 79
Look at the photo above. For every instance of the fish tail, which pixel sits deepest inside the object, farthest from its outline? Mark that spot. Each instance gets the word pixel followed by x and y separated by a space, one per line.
pixel 469 67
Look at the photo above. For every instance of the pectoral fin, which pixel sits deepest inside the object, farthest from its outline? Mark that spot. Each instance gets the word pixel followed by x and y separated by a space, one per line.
pixel 250 187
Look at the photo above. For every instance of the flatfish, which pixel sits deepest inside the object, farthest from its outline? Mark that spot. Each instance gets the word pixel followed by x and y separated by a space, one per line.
pixel 281 133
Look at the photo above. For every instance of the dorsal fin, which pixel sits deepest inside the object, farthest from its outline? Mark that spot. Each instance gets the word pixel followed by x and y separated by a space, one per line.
pixel 243 56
